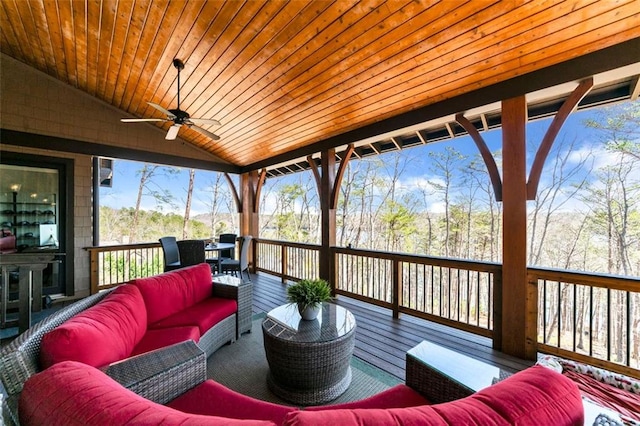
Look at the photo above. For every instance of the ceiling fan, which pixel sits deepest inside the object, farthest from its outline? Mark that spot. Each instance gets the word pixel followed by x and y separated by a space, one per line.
pixel 178 116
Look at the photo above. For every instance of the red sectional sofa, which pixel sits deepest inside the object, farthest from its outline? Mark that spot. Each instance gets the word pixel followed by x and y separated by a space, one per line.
pixel 143 315
pixel 71 393
pixel 120 330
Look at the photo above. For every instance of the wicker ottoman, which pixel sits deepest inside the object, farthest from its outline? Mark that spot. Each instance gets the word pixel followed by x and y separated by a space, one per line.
pixel 309 361
pixel 232 287
pixel 443 375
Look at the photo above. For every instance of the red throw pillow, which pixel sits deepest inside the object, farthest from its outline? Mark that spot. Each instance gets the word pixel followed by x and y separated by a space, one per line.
pixel 102 334
pixel 172 292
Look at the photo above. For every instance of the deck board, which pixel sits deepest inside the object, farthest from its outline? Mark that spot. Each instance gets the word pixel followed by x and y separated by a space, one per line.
pixel 382 340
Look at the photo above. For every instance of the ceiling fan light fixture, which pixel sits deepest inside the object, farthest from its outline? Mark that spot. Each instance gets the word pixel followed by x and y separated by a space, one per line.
pixel 178 116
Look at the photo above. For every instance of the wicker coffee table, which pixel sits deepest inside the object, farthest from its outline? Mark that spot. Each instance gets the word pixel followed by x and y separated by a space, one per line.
pixel 309 361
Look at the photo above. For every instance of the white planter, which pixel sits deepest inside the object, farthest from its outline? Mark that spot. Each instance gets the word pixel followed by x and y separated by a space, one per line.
pixel 310 312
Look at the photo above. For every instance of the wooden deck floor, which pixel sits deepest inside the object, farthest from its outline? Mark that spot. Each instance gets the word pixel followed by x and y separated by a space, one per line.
pixel 382 340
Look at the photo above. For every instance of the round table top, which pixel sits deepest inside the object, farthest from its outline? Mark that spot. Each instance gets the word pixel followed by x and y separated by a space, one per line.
pixel 284 322
pixel 219 246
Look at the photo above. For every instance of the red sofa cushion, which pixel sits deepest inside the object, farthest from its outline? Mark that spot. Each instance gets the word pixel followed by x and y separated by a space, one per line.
pixel 213 399
pixel 102 334
pixel 395 397
pixel 174 291
pixel 536 396
pixel 70 393
pixel 156 339
pixel 204 315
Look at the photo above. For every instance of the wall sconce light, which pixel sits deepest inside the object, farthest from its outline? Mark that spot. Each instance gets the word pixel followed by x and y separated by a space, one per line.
pixel 15 187
pixel 34 195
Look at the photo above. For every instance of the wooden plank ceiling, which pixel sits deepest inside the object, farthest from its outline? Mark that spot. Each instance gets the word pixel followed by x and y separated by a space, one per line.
pixel 281 75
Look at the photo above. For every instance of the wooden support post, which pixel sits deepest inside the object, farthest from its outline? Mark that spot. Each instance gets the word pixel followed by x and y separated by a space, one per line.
pixel 328 214
pixel 497 311
pixel 94 264
pixel 249 204
pixel 518 307
pixel 328 184
pixel 284 263
pixel 396 288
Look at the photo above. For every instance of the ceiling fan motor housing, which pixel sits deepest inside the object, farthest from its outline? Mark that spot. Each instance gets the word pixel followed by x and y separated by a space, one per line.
pixel 180 115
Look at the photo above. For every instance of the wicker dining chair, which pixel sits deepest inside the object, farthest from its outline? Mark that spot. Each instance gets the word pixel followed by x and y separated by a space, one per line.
pixel 227 238
pixel 171 253
pixel 191 252
pixel 241 265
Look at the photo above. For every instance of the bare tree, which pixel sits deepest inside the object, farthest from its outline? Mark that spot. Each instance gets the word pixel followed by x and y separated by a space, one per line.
pixel 148 187
pixel 187 208
pixel 564 181
pixel 444 165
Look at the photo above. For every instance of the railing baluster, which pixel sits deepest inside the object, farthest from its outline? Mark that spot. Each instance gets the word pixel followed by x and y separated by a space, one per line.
pixel 609 328
pixel 629 329
pixel 591 318
pixel 575 315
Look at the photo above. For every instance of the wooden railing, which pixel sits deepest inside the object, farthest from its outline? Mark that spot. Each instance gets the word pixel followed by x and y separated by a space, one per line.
pixel 592 318
pixel 452 292
pixel 113 265
pixel 287 260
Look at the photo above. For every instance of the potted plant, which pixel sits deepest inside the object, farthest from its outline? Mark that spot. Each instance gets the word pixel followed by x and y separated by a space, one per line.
pixel 309 295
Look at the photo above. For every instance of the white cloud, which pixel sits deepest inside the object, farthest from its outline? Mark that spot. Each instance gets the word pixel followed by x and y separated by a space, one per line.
pixel 602 157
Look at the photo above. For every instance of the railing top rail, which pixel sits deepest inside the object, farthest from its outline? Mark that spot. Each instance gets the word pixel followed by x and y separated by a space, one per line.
pixel 122 247
pixel 423 259
pixel 618 282
pixel 289 244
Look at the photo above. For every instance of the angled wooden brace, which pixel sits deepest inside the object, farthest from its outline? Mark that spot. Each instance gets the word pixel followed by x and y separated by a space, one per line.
pixel 315 171
pixel 339 175
pixel 335 191
pixel 258 189
pixel 234 192
pixel 567 107
pixel 489 161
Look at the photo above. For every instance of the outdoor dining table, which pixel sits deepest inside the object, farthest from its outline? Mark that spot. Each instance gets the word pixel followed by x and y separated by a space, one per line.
pixel 219 247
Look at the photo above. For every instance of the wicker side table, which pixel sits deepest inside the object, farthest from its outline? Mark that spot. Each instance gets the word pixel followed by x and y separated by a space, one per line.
pixel 232 287
pixel 163 374
pixel 442 375
pixel 309 361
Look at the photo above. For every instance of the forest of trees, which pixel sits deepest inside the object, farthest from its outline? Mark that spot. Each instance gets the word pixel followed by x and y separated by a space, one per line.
pixel 586 216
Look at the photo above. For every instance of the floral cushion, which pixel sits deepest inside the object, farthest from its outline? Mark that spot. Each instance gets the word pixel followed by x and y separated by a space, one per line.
pixel 550 361
pixel 620 381
pixel 615 379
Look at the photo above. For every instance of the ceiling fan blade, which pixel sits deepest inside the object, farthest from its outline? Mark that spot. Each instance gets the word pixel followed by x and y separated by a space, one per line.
pixel 205 121
pixel 205 132
pixel 140 120
pixel 173 132
pixel 162 110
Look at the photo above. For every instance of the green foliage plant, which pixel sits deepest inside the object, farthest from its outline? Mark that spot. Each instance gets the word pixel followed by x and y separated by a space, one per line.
pixel 309 293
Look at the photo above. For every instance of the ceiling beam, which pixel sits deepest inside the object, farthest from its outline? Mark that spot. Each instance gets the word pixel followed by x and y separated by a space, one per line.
pixel 23 139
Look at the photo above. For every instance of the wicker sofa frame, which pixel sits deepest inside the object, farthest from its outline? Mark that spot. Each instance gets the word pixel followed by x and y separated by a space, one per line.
pixel 20 359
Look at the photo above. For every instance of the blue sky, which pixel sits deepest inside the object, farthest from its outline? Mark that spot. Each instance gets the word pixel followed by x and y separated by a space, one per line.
pixel 125 178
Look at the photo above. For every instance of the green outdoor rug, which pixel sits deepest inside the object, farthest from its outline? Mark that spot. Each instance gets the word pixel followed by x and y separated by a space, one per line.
pixel 243 367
